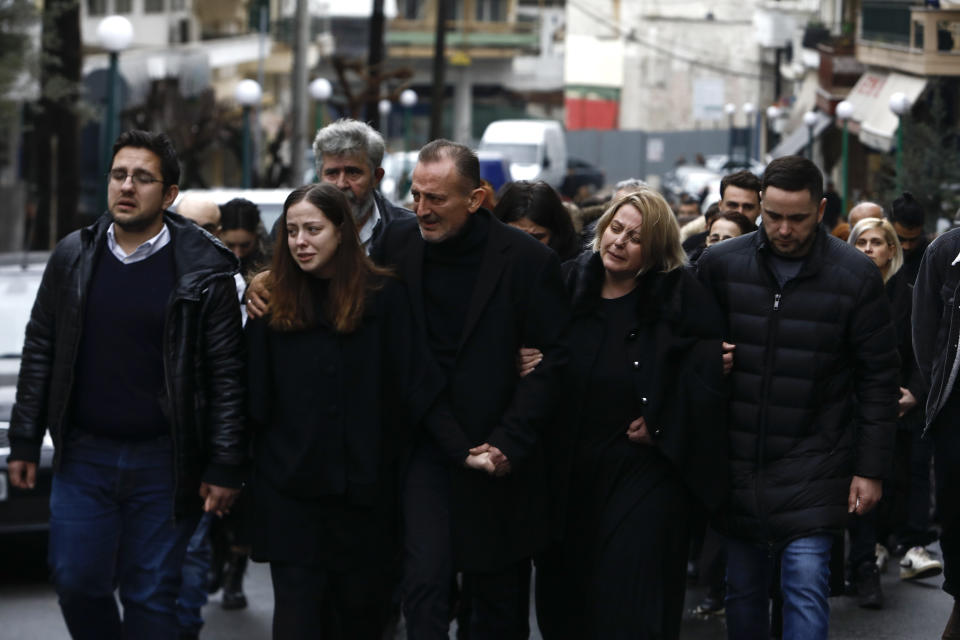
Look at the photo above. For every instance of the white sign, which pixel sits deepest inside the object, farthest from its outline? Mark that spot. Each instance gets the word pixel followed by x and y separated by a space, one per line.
pixel 708 99
pixel 655 150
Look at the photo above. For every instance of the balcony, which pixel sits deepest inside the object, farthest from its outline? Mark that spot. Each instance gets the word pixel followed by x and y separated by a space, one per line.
pixel 473 38
pixel 908 38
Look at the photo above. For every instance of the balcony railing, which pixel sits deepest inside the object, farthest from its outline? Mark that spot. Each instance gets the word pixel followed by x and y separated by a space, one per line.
pixel 909 38
pixel 501 37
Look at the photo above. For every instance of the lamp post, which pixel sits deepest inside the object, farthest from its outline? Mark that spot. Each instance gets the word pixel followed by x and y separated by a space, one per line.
pixel 899 104
pixel 320 90
pixel 844 113
pixel 247 93
pixel 730 110
pixel 748 111
pixel 115 34
pixel 810 120
pixel 408 100
pixel 384 107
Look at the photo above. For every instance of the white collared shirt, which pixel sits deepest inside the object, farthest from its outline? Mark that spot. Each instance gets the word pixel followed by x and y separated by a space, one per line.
pixel 366 231
pixel 955 261
pixel 142 252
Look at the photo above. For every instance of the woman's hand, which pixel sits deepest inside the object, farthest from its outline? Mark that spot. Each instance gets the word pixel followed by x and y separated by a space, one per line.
pixel 258 295
pixel 637 432
pixel 727 356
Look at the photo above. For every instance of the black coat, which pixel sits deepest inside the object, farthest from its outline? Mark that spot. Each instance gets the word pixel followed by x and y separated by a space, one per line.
pixel 332 414
pixel 202 357
pixel 936 321
pixel 679 382
pixel 814 396
pixel 518 300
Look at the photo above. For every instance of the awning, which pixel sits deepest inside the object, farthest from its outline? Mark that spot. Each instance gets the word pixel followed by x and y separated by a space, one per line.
pixel 799 138
pixel 872 117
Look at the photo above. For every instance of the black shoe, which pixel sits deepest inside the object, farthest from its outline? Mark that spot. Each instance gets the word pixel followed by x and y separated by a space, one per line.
pixel 869 593
pixel 233 597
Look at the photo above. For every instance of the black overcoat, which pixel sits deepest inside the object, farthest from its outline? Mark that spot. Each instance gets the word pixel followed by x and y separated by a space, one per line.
pixel 518 300
pixel 678 376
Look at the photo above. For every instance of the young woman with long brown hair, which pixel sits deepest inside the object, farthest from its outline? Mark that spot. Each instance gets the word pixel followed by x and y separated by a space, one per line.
pixel 338 377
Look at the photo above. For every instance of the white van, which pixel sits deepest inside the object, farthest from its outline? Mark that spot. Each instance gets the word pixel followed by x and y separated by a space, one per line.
pixel 536 149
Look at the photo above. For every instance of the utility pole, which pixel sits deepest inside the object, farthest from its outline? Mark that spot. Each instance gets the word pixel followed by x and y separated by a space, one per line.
pixel 374 61
pixel 299 97
pixel 439 69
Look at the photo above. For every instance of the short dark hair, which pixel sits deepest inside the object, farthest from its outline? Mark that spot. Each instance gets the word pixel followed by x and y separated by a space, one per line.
pixel 240 213
pixel 540 204
pixel 907 211
pixel 742 179
pixel 794 173
pixel 711 213
pixel 745 224
pixel 159 144
pixel 464 159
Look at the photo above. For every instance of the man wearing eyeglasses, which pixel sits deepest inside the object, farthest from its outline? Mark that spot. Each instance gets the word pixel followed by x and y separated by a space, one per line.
pixel 133 360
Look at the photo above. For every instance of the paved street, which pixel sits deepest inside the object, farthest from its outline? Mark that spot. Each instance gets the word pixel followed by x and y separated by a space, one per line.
pixel 28 607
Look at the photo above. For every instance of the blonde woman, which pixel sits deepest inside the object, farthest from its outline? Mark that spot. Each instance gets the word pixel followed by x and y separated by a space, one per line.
pixel 642 434
pixel 877 238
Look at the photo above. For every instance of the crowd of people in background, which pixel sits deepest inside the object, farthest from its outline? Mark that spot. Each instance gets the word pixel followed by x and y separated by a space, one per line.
pixel 405 411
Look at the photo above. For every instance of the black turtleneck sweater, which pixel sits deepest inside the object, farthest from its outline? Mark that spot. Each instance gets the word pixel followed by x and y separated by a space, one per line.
pixel 450 270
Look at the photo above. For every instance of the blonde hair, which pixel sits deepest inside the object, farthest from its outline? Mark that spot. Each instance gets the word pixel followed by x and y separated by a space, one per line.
pixel 659 232
pixel 889 234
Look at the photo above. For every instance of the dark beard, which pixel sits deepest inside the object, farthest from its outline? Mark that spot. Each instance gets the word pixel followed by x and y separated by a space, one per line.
pixel 137 224
pixel 361 210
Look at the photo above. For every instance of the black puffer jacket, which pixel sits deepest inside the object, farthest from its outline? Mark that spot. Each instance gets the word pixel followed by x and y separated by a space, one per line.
pixel 814 398
pixel 202 355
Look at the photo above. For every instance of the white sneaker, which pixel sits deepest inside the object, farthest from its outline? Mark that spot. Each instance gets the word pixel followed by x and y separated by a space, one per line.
pixel 917 563
pixel 883 556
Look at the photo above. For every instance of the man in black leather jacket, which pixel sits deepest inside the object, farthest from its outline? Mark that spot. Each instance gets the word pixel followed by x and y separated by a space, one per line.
pixel 813 403
pixel 936 333
pixel 133 360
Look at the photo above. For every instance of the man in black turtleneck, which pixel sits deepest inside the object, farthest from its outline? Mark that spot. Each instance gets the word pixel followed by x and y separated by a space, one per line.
pixel 475 496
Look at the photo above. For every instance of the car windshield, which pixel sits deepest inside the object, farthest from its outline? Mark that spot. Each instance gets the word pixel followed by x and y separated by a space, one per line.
pixel 516 153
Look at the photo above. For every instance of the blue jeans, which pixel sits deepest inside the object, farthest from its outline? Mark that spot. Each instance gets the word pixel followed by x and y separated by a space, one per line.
pixel 193 589
pixel 112 527
pixel 804 583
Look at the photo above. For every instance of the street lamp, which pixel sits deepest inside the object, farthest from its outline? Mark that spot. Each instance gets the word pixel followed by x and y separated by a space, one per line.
pixel 730 109
pixel 899 104
pixel 810 120
pixel 408 100
pixel 115 34
pixel 844 113
pixel 384 107
pixel 748 111
pixel 320 90
pixel 248 94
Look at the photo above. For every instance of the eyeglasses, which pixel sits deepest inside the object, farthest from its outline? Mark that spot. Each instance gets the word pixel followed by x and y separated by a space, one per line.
pixel 140 178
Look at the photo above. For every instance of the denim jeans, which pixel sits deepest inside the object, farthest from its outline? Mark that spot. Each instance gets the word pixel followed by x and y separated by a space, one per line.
pixel 112 527
pixel 193 589
pixel 804 583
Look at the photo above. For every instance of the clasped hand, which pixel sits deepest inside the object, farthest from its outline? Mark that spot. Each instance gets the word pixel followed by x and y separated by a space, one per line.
pixel 489 458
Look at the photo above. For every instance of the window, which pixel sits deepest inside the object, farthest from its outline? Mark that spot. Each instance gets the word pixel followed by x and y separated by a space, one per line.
pixel 96 7
pixel 122 6
pixel 178 5
pixel 153 6
pixel 411 9
pixel 491 10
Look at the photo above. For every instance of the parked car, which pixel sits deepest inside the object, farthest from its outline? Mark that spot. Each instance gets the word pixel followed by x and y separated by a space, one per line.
pixel 269 201
pixel 494 168
pixel 723 164
pixel 536 149
pixel 690 179
pixel 20 511
pixel 581 173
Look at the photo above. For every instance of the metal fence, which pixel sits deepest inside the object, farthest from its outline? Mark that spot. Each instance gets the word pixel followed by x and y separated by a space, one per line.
pixel 641 154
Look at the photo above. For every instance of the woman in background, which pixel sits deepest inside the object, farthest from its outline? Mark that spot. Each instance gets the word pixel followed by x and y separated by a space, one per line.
pixel 536 208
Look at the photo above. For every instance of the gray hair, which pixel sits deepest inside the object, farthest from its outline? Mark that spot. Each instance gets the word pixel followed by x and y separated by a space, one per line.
pixel 629 183
pixel 346 137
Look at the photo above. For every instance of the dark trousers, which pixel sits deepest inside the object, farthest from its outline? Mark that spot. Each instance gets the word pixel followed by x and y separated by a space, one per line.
pixel 916 529
pixel 498 601
pixel 112 527
pixel 946 456
pixel 313 603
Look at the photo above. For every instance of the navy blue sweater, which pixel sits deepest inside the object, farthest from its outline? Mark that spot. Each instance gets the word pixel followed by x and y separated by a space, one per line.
pixel 119 370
